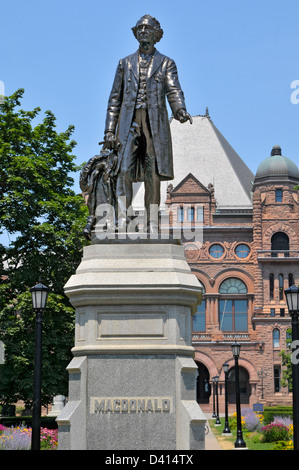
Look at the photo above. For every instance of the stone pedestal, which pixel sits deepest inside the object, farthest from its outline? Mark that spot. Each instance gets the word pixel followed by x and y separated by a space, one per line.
pixel 132 381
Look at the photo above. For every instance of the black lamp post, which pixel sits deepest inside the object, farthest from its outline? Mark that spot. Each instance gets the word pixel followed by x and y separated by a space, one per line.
pixel 214 388
pixel 292 298
pixel 262 374
pixel 239 441
pixel 39 300
pixel 217 422
pixel 226 429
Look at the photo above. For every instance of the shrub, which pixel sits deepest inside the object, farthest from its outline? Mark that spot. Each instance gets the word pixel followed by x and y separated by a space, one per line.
pixel 286 421
pixel 232 420
pixel 256 437
pixel 271 412
pixel 283 445
pixel 48 439
pixel 15 439
pixel 275 432
pixel 251 419
pixel 19 438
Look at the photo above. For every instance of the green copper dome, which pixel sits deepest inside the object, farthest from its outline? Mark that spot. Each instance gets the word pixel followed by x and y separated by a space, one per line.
pixel 277 168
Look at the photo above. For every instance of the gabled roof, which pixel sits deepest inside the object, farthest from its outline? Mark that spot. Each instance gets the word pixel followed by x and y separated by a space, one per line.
pixel 202 150
pixel 198 186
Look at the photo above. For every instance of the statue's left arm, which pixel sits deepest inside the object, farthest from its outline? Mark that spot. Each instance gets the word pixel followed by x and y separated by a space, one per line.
pixel 115 101
pixel 175 93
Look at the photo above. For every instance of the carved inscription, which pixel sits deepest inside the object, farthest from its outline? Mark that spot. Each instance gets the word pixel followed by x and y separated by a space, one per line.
pixel 126 405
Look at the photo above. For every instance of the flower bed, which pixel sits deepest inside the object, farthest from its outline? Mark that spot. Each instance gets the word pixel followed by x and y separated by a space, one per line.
pixel 279 431
pixel 19 438
pixel 275 432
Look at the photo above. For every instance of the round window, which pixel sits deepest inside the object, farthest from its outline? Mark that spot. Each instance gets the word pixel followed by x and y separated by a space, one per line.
pixel 242 250
pixel 216 251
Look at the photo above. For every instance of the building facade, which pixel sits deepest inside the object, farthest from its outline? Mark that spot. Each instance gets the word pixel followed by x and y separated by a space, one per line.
pixel 246 255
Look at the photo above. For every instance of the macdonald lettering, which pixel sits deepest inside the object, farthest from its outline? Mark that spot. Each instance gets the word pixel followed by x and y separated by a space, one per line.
pixel 123 405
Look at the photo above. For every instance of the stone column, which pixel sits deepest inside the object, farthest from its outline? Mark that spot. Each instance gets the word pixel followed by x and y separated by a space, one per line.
pixel 132 382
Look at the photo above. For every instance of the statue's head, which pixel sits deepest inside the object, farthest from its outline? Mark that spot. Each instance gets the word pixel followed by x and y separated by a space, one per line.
pixel 149 23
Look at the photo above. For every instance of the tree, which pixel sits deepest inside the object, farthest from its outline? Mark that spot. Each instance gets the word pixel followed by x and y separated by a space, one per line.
pixel 39 208
pixel 286 380
pixel 18 332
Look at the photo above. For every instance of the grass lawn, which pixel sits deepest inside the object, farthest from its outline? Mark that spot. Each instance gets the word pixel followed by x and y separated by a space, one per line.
pixel 227 442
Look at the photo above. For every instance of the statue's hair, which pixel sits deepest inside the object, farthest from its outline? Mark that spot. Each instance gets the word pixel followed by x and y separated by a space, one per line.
pixel 153 22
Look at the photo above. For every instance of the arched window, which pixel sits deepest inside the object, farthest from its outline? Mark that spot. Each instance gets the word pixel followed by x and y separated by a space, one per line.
pixel 199 318
pixel 280 242
pixel 276 338
pixel 233 314
pixel 233 285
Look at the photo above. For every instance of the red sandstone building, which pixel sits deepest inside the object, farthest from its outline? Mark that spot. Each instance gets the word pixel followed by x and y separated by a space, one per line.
pixel 248 255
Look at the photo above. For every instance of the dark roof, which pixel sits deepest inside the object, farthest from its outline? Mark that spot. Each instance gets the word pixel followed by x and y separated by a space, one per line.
pixel 277 168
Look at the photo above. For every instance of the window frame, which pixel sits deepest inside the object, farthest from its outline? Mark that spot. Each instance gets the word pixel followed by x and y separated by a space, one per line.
pixel 271 286
pixel 277 378
pixel 233 313
pixel 274 340
pixel 218 245
pixel 200 210
pixel 242 244
pixel 200 316
pixel 281 286
pixel 180 214
pixel 190 214
pixel 278 195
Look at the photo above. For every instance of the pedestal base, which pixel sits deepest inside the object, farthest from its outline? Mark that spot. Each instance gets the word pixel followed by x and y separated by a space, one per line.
pixel 132 381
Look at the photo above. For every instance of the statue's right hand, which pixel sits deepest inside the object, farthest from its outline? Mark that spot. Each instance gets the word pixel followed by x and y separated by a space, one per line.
pixel 109 140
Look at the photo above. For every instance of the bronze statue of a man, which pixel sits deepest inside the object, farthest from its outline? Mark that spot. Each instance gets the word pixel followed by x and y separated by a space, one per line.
pixel 137 118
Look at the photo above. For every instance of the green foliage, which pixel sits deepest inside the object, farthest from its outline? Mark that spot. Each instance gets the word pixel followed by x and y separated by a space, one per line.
pixel 283 445
pixel 17 320
pixel 48 422
pixel 274 432
pixel 274 411
pixel 286 380
pixel 37 203
pixel 44 219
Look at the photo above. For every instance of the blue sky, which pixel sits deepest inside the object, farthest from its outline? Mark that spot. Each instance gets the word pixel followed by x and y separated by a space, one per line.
pixel 238 58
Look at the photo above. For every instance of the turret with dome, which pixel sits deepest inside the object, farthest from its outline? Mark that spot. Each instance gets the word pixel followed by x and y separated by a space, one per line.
pixel 277 169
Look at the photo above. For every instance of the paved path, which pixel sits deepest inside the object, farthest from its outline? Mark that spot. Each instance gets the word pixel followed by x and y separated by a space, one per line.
pixel 211 443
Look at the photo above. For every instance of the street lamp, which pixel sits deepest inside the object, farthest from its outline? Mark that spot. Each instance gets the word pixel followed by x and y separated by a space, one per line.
pixel 217 422
pixel 39 295
pixel 292 298
pixel 226 429
pixel 236 352
pixel 214 389
pixel 262 374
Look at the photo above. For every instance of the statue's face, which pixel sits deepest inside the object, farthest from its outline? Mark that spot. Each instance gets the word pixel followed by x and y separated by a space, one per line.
pixel 146 36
